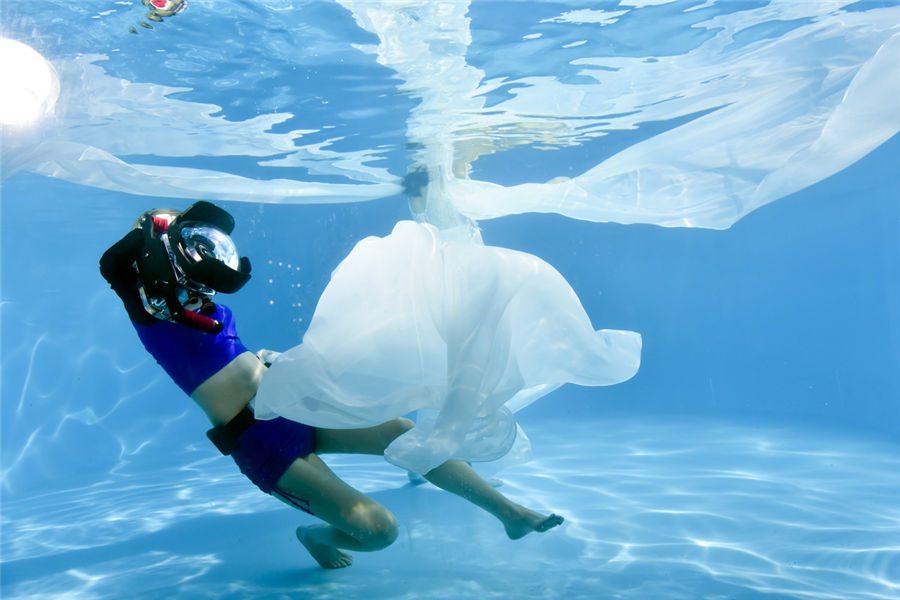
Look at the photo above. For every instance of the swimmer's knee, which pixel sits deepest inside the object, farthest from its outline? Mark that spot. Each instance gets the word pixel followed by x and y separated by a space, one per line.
pixel 383 531
pixel 376 527
pixel 383 536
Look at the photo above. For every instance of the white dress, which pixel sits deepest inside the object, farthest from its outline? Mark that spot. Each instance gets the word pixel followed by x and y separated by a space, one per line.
pixel 464 332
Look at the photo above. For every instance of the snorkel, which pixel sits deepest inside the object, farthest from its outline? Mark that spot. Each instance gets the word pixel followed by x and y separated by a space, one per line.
pixel 185 259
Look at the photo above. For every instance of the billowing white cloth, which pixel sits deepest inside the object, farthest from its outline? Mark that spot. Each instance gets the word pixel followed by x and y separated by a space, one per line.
pixel 762 115
pixel 749 102
pixel 412 321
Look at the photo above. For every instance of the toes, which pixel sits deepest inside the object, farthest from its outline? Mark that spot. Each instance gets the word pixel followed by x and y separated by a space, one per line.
pixel 344 560
pixel 550 522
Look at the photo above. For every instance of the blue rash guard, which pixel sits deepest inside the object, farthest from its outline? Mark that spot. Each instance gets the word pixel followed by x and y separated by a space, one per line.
pixel 189 356
pixel 265 449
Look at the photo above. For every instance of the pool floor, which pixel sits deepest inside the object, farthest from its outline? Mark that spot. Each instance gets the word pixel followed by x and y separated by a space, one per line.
pixel 681 509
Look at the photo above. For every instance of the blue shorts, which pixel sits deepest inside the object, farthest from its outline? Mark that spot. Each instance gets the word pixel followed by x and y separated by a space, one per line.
pixel 268 448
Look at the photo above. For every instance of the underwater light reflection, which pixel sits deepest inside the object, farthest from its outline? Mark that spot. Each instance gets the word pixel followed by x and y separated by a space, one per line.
pixel 30 84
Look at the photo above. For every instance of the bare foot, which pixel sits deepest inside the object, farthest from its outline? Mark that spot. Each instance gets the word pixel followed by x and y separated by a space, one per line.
pixel 327 556
pixel 527 521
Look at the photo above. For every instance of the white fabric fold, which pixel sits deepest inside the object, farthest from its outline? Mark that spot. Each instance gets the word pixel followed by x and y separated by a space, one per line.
pixel 472 333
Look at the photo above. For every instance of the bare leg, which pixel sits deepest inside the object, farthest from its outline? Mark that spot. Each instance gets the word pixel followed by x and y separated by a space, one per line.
pixel 453 476
pixel 368 440
pixel 459 478
pixel 354 521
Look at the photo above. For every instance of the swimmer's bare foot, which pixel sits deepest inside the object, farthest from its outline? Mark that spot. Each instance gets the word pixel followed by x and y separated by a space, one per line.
pixel 327 556
pixel 526 521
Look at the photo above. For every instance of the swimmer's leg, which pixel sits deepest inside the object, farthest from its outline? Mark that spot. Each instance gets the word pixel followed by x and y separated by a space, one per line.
pixel 453 476
pixel 459 478
pixel 367 440
pixel 354 521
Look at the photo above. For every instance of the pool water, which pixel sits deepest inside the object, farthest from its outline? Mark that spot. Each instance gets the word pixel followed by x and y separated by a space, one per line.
pixel 741 511
pixel 753 456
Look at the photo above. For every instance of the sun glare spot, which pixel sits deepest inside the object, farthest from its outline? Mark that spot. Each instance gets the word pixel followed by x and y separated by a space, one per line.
pixel 29 84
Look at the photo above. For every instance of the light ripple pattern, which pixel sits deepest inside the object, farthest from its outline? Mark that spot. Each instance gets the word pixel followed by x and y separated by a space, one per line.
pixel 681 509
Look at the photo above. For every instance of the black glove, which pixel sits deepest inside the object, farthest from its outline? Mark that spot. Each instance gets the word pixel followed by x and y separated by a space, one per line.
pixel 117 265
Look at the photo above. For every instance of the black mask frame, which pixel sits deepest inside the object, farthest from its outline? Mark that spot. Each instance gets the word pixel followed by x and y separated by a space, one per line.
pixel 159 276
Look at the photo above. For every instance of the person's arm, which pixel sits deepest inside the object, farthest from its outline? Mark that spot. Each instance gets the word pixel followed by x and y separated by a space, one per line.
pixel 117 267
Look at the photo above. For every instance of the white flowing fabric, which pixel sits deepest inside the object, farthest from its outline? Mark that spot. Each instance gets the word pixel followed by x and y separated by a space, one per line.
pixel 106 122
pixel 764 115
pixel 752 101
pixel 412 321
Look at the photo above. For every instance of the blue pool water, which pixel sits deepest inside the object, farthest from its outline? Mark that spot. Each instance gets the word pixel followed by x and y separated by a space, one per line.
pixel 753 456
